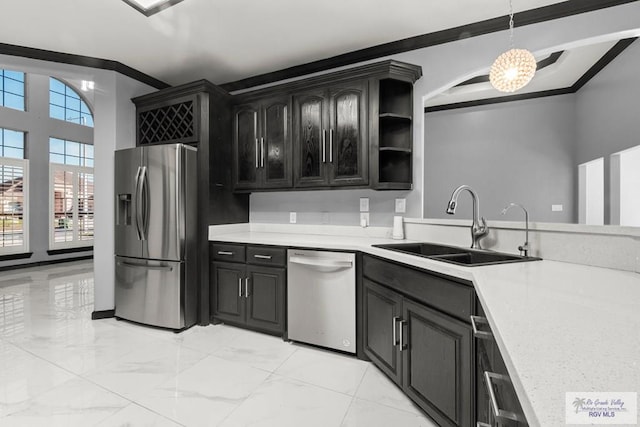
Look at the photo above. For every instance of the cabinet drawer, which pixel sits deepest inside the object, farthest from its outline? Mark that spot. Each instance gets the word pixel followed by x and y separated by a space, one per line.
pixel 227 252
pixel 267 255
pixel 451 296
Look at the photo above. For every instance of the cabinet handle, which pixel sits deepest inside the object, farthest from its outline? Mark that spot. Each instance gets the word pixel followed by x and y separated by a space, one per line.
pixel 394 325
pixel 324 145
pixel 489 377
pixel 403 345
pixel 246 287
pixel 331 146
pixel 479 424
pixel 240 287
pixel 225 253
pixel 262 256
pixel 477 320
pixel 262 152
pixel 257 154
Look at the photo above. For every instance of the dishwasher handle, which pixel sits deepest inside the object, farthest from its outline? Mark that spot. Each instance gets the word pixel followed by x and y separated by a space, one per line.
pixel 321 262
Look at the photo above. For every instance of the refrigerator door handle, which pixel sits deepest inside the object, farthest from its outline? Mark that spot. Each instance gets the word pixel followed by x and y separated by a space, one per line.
pixel 148 267
pixel 144 203
pixel 138 202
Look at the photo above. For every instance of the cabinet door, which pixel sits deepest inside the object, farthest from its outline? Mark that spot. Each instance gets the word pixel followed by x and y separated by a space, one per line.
pixel 382 310
pixel 438 364
pixel 227 297
pixel 246 146
pixel 310 139
pixel 266 298
pixel 275 144
pixel 348 142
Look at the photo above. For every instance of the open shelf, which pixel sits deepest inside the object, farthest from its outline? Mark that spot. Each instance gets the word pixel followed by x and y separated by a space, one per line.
pixel 396 97
pixel 394 116
pixel 395 167
pixel 395 133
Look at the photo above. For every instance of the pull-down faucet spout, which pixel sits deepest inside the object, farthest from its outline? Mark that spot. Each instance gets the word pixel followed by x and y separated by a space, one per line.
pixel 477 231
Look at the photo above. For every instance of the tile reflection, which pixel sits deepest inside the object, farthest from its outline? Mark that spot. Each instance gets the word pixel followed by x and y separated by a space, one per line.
pixel 59 367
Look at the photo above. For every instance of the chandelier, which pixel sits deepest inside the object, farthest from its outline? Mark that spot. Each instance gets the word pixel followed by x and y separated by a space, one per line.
pixel 515 68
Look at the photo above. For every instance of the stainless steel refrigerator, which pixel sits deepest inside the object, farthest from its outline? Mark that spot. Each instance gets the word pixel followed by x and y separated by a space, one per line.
pixel 155 235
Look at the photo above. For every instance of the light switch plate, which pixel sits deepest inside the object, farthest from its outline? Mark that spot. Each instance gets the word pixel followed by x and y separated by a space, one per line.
pixel 292 217
pixel 364 204
pixel 556 208
pixel 401 205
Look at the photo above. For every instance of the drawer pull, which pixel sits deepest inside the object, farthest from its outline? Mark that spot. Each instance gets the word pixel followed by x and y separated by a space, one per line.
pixel 262 256
pixel 477 320
pixel 403 345
pixel 394 325
pixel 489 378
pixel 225 253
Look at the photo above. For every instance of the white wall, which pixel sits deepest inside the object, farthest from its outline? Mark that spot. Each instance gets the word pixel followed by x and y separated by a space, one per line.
pixel 114 127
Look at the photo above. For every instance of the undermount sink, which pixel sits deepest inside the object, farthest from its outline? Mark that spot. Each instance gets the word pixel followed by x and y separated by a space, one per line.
pixel 456 255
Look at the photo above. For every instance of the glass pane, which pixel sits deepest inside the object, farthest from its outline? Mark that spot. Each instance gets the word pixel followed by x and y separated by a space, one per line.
pixel 88 163
pixel 11 203
pixel 56 98
pixel 347 134
pixel 56 145
pixel 84 108
pixel 88 151
pixel 56 85
pixel 56 158
pixel 15 153
pixel 73 104
pixel 72 94
pixel 72 148
pixel 87 120
pixel 14 101
pixel 13 86
pixel 56 112
pixel 310 125
pixel 15 75
pixel 275 129
pixel 72 160
pixel 13 138
pixel 1 85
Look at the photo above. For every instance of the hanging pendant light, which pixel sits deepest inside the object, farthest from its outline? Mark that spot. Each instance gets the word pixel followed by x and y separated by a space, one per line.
pixel 515 68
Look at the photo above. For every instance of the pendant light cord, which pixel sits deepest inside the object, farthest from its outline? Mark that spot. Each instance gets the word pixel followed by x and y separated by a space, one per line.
pixel 511 46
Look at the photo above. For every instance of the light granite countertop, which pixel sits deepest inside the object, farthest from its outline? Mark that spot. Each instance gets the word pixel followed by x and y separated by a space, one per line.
pixel 560 327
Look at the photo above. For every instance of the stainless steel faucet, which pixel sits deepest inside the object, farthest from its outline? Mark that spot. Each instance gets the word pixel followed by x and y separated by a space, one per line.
pixel 477 231
pixel 524 249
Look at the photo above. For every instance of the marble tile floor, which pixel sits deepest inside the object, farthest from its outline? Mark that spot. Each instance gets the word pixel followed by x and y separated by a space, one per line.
pixel 60 368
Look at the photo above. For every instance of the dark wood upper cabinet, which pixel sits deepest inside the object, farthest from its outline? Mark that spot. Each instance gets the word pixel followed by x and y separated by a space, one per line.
pixel 351 128
pixel 310 136
pixel 262 144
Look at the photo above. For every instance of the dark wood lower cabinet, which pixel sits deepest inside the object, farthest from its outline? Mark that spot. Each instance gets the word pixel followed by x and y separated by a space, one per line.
pixel 437 364
pixel 265 298
pixel 381 309
pixel 251 290
pixel 427 352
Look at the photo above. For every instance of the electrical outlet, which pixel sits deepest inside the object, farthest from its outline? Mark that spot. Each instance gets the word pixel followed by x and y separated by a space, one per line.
pixel 292 217
pixel 364 204
pixel 556 208
pixel 364 219
pixel 401 205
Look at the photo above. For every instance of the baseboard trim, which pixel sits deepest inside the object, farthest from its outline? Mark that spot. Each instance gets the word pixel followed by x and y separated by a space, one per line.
pixel 48 262
pixel 103 314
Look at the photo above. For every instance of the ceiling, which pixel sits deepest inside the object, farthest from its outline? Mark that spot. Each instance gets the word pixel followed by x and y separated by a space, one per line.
pixel 229 40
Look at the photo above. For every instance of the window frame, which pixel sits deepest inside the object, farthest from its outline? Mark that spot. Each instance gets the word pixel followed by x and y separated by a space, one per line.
pixel 82 99
pixel 24 248
pixel 75 241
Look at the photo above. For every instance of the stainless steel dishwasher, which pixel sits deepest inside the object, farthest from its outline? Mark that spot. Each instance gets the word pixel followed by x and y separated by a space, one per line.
pixel 321 298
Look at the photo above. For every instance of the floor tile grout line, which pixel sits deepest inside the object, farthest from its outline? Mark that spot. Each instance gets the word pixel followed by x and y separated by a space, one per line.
pixel 353 398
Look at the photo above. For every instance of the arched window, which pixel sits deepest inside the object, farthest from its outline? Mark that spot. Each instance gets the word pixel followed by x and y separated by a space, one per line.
pixel 66 104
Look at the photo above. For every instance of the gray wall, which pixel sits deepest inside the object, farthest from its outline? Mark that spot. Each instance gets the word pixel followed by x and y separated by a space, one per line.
pixel 39 127
pixel 519 151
